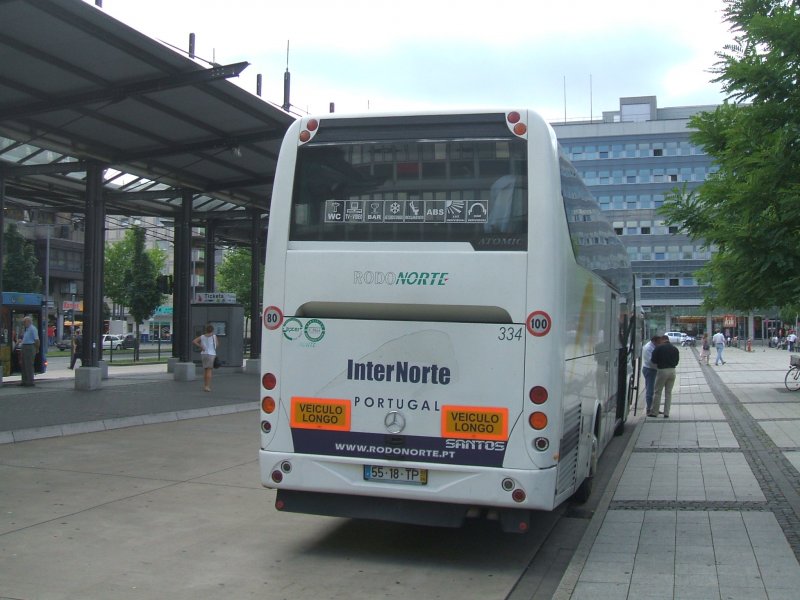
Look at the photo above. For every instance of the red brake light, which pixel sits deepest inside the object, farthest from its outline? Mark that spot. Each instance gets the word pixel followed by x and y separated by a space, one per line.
pixel 513 117
pixel 538 394
pixel 312 125
pixel 305 136
pixel 269 381
pixel 520 129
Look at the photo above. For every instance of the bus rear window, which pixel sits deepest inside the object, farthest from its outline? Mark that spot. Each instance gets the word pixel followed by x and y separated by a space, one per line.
pixel 471 191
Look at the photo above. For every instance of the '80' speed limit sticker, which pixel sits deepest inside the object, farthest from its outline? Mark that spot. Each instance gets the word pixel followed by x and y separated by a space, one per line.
pixel 538 323
pixel 273 317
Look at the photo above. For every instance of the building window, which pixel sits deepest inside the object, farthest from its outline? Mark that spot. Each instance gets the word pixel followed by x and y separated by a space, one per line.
pixel 618 230
pixel 673 177
pixel 673 229
pixel 674 282
pixel 646 282
pixel 658 152
pixel 645 231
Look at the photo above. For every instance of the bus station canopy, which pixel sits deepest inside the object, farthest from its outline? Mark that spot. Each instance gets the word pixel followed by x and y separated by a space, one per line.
pixel 79 87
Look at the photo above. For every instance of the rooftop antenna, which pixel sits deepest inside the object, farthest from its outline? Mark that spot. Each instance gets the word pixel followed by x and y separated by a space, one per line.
pixel 287 82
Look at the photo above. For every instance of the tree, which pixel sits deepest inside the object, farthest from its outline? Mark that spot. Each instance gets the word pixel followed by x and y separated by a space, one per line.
pixel 142 295
pixel 19 271
pixel 749 211
pixel 233 275
pixel 118 257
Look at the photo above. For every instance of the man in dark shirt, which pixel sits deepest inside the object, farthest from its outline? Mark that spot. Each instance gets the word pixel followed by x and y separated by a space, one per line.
pixel 666 358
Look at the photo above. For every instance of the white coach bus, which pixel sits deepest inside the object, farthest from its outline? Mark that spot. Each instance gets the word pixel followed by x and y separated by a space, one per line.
pixel 447 324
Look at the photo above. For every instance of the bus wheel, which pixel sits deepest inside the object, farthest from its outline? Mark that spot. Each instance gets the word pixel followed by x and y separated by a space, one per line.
pixel 584 490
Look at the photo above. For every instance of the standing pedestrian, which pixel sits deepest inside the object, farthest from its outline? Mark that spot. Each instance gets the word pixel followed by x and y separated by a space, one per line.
pixel 30 346
pixel 77 349
pixel 705 349
pixel 666 357
pixel 649 370
pixel 208 352
pixel 791 340
pixel 719 343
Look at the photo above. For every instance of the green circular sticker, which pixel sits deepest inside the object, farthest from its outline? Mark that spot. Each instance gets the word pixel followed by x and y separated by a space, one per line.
pixel 314 330
pixel 292 329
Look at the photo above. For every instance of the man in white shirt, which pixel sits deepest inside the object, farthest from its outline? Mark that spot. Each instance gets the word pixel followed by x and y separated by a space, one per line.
pixel 719 343
pixel 649 370
pixel 791 340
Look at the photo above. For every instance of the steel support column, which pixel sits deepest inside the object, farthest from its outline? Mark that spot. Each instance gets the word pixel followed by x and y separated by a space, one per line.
pixel 93 254
pixel 183 261
pixel 2 229
pixel 210 267
pixel 255 290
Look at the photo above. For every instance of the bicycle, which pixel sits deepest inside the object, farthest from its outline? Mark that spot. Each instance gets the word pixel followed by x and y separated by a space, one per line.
pixel 792 379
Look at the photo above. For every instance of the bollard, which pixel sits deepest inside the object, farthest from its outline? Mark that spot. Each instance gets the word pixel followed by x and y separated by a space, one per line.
pixel 749 344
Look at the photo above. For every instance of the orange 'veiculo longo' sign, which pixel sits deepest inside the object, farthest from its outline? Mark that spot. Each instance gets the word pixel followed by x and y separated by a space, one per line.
pixel 475 422
pixel 320 413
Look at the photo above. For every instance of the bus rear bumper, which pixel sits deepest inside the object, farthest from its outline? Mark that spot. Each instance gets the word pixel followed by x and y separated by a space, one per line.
pixel 336 486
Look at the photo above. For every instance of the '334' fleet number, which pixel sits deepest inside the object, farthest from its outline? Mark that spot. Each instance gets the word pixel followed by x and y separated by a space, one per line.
pixel 508 334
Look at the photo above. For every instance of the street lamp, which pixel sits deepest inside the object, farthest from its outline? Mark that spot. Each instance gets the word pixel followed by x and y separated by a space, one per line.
pixel 48 227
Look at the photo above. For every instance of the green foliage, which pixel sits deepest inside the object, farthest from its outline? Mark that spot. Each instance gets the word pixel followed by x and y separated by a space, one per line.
pixel 19 271
pixel 749 211
pixel 118 260
pixel 233 276
pixel 142 296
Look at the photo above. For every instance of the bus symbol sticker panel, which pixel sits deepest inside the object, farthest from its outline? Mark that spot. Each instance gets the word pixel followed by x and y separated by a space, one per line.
pixel 475 423
pixel 406 211
pixel 538 323
pixel 320 413
pixel 273 317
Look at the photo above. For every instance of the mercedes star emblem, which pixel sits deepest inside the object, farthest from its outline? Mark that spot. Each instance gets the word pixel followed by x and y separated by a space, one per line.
pixel 395 422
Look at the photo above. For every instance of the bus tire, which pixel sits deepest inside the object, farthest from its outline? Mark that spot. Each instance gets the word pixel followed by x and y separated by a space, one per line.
pixel 619 429
pixel 584 490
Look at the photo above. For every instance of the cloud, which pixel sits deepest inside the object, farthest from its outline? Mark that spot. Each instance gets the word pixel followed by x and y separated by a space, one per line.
pixel 423 53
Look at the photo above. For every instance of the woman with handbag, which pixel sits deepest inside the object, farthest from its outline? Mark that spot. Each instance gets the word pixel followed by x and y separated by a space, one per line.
pixel 207 343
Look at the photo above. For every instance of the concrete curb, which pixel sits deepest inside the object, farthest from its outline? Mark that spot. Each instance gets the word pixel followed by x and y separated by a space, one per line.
pixel 573 572
pixel 37 433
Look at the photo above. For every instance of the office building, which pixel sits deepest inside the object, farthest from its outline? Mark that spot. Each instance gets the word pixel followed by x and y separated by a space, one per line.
pixel 631 160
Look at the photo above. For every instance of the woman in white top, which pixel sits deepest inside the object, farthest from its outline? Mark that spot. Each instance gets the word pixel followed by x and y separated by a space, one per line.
pixel 208 352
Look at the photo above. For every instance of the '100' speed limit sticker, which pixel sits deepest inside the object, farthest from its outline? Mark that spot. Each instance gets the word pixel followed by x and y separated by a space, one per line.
pixel 538 323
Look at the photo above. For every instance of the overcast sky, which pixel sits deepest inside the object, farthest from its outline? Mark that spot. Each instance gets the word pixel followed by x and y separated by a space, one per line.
pixel 419 54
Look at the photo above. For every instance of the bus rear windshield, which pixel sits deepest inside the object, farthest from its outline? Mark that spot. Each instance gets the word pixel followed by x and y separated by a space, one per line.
pixel 473 191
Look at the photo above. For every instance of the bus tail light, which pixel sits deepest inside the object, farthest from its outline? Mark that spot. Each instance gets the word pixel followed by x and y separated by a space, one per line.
pixel 538 420
pixel 266 426
pixel 308 131
pixel 519 495
pixel 269 381
pixel 538 394
pixel 277 476
pixel 515 123
pixel 268 404
pixel 541 444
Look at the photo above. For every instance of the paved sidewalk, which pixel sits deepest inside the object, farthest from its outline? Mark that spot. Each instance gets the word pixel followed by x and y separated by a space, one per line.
pixel 705 504
pixel 132 395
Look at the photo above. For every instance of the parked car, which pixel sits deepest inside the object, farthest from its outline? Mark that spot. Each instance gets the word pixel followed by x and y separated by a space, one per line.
pixel 674 336
pixel 112 342
pixel 687 340
pixel 64 344
pixel 129 341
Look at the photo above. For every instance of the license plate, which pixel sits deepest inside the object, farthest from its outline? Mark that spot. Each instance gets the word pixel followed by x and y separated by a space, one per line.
pixel 396 475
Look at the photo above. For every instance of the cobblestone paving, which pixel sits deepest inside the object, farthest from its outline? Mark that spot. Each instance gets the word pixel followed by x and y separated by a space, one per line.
pixel 708 505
